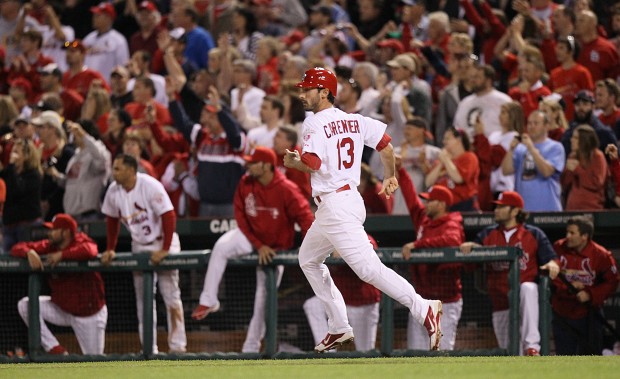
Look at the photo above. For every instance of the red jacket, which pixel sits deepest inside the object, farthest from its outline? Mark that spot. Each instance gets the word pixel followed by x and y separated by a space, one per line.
pixel 529 99
pixel 537 251
pixel 489 157
pixel 81 81
pixel 355 291
pixel 80 294
pixel 375 203
pixel 445 231
pixel 595 267
pixel 266 214
pixel 490 27
pixel 586 184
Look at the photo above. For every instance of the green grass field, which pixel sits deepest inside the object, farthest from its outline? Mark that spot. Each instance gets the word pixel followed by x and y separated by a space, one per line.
pixel 384 368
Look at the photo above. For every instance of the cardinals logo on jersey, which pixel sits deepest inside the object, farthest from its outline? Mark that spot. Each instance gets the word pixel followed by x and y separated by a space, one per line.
pixel 250 205
pixel 584 274
pixel 137 217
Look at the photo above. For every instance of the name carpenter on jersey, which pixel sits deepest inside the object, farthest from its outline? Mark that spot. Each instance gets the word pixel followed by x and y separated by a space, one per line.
pixel 341 127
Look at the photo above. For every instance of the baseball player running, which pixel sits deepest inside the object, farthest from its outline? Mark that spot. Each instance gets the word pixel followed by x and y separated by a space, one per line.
pixel 141 203
pixel 332 154
pixel 267 206
pixel 77 299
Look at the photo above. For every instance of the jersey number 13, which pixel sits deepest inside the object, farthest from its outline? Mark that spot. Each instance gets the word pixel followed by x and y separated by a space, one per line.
pixel 346 151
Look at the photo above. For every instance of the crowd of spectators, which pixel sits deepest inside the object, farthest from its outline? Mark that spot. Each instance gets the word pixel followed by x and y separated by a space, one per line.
pixel 189 87
pixel 480 96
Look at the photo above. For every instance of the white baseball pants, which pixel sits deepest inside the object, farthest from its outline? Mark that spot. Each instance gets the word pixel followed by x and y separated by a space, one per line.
pixel 417 335
pixel 90 330
pixel 338 225
pixel 364 320
pixel 529 315
pixel 168 283
pixel 234 244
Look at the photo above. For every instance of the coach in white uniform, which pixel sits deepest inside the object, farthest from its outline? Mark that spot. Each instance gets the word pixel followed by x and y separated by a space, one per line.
pixel 141 203
pixel 332 153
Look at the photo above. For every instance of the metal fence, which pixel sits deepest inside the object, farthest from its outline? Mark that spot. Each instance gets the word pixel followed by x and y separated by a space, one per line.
pixel 216 338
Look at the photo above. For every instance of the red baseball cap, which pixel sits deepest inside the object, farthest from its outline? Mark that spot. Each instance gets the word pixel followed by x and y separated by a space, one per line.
pixel 104 8
pixel 439 193
pixel 510 198
pixel 293 37
pixel 62 221
pixel 147 5
pixel 262 154
pixel 22 83
pixel 392 43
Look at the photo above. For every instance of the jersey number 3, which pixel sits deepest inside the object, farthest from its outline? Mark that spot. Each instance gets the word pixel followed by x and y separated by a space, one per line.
pixel 346 150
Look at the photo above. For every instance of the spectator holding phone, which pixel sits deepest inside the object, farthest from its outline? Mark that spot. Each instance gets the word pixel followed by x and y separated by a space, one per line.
pixel 585 172
pixel 536 162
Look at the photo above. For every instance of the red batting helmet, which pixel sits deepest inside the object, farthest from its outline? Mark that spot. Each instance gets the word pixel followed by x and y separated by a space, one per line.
pixel 319 77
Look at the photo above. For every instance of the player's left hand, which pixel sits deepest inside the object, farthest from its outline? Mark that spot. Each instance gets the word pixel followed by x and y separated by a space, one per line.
pixel 583 296
pixel 52 259
pixel 390 185
pixel 158 256
pixel 265 255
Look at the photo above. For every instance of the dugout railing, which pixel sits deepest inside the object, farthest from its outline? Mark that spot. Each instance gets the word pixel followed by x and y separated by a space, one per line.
pixel 192 260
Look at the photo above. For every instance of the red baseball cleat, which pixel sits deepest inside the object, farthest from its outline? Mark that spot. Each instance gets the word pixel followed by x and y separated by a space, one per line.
pixel 433 323
pixel 531 352
pixel 331 341
pixel 202 311
pixel 58 350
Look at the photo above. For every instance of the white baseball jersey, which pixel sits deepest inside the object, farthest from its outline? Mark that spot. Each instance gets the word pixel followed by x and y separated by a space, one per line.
pixel 105 51
pixel 338 138
pixel 260 136
pixel 139 209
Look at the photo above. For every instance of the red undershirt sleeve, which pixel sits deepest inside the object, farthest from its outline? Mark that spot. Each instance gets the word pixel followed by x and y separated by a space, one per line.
pixel 168 221
pixel 113 226
pixel 311 160
pixel 385 140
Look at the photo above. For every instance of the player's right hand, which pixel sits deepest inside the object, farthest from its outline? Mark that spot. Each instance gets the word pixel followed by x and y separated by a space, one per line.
pixel 291 157
pixel 406 251
pixel 265 255
pixel 467 247
pixel 35 260
pixel 107 257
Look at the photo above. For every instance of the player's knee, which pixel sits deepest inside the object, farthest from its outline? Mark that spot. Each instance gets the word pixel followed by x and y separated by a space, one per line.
pixel 528 288
pixel 367 274
pixel 22 306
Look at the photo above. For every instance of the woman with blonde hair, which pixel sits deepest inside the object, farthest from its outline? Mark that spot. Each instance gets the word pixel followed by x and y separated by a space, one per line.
pixel 8 112
pixel 552 107
pixel 23 177
pixel 96 108
pixel 585 172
